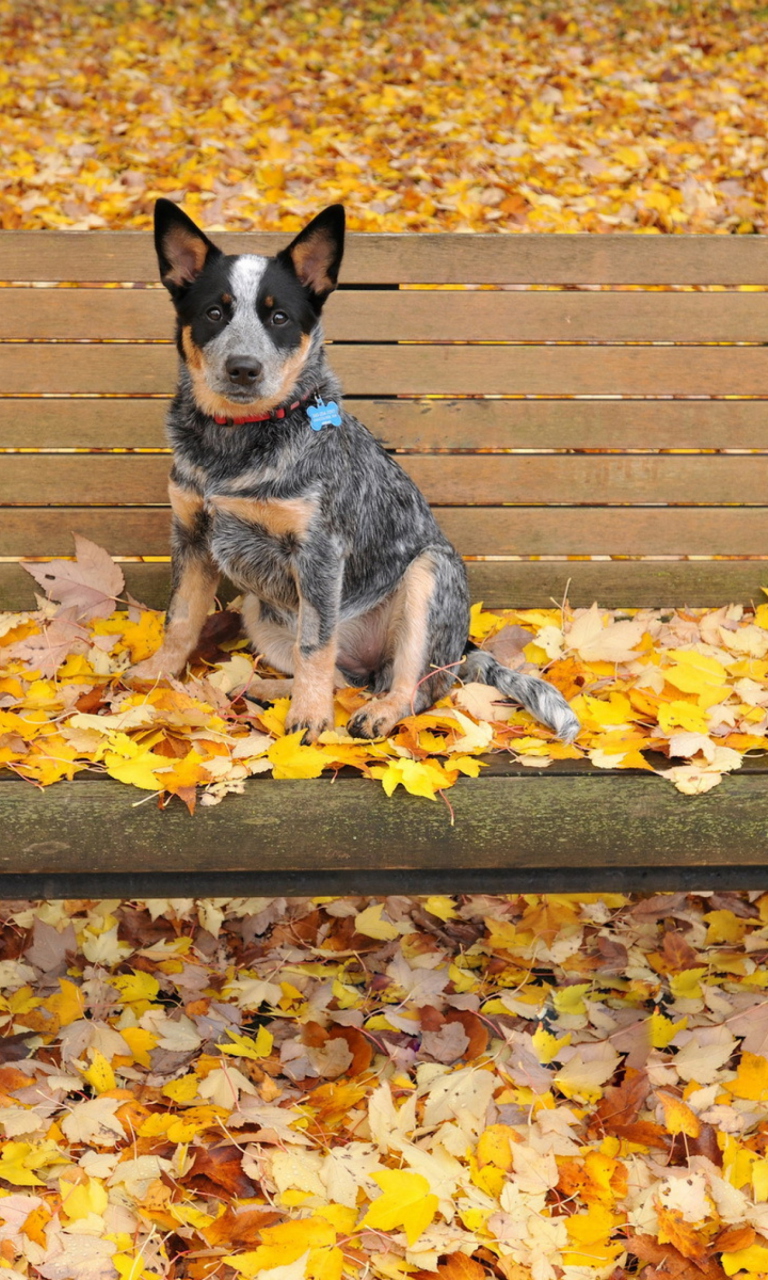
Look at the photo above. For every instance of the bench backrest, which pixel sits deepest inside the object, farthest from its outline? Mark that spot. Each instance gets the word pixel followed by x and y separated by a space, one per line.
pixel 615 436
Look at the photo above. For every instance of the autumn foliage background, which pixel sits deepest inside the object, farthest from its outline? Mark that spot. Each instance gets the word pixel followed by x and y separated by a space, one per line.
pixel 453 116
pixel 524 1088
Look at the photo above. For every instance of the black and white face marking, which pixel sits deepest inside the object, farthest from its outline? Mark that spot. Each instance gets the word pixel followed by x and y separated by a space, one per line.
pixel 251 324
pixel 247 323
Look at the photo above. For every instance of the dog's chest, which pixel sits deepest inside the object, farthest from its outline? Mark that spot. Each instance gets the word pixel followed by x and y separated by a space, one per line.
pixel 253 534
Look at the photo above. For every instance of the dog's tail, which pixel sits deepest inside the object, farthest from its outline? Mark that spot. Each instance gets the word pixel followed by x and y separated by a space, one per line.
pixel 542 699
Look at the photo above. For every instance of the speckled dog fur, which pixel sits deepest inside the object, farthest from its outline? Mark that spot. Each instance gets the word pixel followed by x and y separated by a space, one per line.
pixel 347 578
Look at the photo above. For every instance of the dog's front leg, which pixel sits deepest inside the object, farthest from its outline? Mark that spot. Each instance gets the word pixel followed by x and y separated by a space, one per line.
pixel 318 579
pixel 194 580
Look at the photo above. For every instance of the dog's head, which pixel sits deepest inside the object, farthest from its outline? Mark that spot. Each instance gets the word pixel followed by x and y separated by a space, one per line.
pixel 246 323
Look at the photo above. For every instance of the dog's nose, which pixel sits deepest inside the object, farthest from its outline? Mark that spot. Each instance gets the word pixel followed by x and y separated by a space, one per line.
pixel 243 370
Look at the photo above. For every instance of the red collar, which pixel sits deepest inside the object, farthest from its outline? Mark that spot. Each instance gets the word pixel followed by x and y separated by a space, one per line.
pixel 273 415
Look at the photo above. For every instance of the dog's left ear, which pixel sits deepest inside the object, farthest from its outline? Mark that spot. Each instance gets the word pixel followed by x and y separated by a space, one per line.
pixel 315 255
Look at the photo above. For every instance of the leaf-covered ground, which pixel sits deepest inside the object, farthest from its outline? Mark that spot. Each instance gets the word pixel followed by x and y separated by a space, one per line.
pixel 484 1088
pixel 419 116
pixel 691 686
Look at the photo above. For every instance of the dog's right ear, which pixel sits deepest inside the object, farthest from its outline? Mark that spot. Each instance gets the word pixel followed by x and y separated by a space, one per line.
pixel 182 248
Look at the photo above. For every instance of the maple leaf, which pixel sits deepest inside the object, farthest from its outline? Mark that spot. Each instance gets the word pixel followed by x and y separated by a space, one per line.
pixel 91 583
pixel 406 1202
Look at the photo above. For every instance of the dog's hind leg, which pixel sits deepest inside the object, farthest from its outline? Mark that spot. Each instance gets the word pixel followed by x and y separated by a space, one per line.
pixel 427 624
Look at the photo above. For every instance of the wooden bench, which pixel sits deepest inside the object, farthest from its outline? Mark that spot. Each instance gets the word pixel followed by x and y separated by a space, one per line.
pixel 627 428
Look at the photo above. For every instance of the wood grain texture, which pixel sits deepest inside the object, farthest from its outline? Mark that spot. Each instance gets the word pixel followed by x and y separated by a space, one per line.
pixel 620 258
pixel 28 479
pixel 422 424
pixel 388 369
pixel 308 833
pixel 390 316
pixel 617 584
pixel 476 531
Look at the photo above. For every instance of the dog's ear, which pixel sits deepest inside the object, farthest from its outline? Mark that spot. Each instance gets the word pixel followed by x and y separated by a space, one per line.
pixel 315 255
pixel 182 248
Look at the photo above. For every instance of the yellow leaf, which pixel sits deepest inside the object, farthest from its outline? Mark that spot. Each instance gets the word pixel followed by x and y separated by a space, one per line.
pixel 678 1117
pixel 140 1042
pixel 136 987
pixel 132 1268
pixel 256 1047
pixel 406 1203
pixel 80 1199
pixel 495 1146
pixel 293 760
pixel 100 1074
pixel 67 1005
pixel 19 1160
pixel 664 1030
pixel 686 985
pixel 724 926
pixel 591 1231
pixel 442 907
pixel 754 1259
pixel 283 1244
pixel 751 1078
pixel 370 923
pixel 570 999
pixel 182 1090
pixel 547 1046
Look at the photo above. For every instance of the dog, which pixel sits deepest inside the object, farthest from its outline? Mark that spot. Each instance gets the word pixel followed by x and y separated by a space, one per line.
pixel 347 579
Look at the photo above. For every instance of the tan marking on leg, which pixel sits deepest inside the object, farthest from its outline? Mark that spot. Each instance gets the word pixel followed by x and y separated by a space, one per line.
pixel 186 504
pixel 408 631
pixel 292 515
pixel 312 702
pixel 190 605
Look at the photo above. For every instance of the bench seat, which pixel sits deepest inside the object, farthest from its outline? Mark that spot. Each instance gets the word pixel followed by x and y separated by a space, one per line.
pixel 572 425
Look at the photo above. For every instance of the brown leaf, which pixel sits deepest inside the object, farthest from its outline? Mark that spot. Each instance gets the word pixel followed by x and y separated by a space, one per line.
pixel 218 629
pixel 359 1046
pixel 621 1103
pixel 678 954
pixel 475 1031
pixel 674 1264
pixel 674 1230
pixel 734 1238
pixel 239 1229
pixel 456 1267
pixel 217 1169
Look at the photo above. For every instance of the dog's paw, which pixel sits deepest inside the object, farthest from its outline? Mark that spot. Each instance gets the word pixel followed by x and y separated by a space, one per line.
pixel 376 719
pixel 312 716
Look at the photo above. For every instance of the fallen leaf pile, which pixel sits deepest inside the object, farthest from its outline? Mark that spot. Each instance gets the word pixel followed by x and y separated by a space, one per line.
pixel 689 686
pixel 482 1088
pixel 419 116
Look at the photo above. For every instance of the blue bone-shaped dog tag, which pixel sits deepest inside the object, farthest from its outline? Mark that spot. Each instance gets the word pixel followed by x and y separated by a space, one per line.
pixel 325 415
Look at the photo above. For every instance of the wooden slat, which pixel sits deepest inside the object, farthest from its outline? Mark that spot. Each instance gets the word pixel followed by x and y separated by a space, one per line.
pixel 620 258
pixel 29 479
pixel 616 584
pixel 422 424
pixel 388 369
pixel 510 833
pixel 476 531
pixel 383 316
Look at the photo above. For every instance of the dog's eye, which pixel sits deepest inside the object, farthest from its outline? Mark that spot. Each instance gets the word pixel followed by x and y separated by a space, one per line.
pixel 279 317
pixel 214 313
